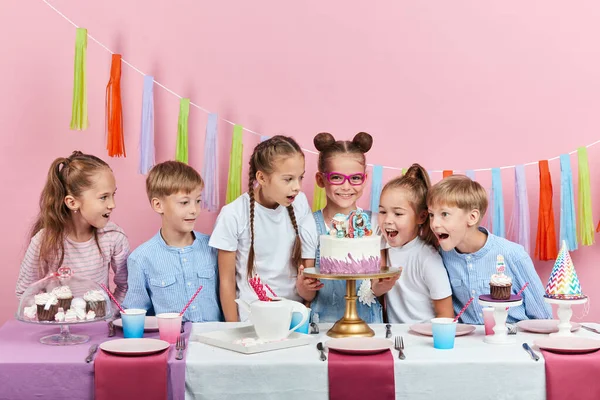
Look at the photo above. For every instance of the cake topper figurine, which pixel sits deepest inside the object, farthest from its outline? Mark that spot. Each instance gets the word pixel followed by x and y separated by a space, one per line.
pixel 338 226
pixel 500 266
pixel 359 225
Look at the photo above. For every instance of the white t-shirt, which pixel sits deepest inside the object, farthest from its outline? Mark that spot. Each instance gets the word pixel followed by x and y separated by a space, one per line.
pixel 423 279
pixel 273 240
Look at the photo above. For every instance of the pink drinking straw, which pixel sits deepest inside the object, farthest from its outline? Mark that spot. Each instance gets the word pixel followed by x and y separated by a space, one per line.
pixel 190 302
pixel 270 290
pixel 520 291
pixel 463 309
pixel 112 298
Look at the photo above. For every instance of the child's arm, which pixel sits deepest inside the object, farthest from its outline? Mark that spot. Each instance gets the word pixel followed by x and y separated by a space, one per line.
pixel 533 295
pixel 118 264
pixel 29 272
pixel 443 308
pixel 137 293
pixel 307 287
pixel 227 285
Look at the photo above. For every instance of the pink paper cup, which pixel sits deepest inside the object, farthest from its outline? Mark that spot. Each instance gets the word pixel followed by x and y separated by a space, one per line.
pixel 488 320
pixel 169 326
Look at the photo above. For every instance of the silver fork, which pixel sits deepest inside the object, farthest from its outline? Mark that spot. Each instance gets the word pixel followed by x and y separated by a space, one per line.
pixel 512 329
pixel 399 345
pixel 180 346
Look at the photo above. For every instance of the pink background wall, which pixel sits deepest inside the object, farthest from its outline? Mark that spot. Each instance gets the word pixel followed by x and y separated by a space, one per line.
pixel 452 85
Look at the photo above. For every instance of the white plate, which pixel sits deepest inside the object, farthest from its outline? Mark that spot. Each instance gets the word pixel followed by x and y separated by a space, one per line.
pixel 543 325
pixel 367 345
pixel 569 345
pixel 231 339
pixel 425 329
pixel 150 324
pixel 134 347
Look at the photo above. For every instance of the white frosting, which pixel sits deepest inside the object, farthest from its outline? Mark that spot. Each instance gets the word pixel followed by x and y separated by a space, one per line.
pixel 60 315
pixel 78 302
pixel 94 295
pixel 62 292
pixel 90 315
pixel 44 299
pixel 70 316
pixel 80 312
pixel 338 248
pixel 30 312
pixel 501 280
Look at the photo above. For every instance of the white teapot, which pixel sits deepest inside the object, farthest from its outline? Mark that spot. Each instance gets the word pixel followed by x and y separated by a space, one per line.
pixel 272 319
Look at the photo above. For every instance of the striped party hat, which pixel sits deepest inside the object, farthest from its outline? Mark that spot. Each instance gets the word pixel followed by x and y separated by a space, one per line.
pixel 564 283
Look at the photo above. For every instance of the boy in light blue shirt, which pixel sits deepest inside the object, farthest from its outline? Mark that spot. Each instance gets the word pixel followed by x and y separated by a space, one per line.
pixel 166 271
pixel 456 206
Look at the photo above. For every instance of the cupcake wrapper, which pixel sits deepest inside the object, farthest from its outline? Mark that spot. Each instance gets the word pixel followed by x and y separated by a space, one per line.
pixel 65 304
pixel 99 307
pixel 500 292
pixel 46 315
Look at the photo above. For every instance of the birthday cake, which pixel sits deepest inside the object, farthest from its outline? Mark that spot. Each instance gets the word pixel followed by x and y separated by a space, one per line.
pixel 500 283
pixel 351 246
pixel 564 283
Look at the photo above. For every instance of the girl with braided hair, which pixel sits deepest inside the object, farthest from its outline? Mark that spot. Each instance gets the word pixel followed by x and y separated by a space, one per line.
pixel 259 232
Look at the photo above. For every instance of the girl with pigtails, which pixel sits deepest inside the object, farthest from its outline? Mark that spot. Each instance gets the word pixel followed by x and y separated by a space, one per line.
pixel 259 232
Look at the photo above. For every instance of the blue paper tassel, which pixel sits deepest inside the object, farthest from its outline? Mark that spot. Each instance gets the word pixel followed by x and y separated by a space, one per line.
pixel 519 220
pixel 498 204
pixel 470 173
pixel 568 227
pixel 210 174
pixel 263 138
pixel 147 131
pixel 376 187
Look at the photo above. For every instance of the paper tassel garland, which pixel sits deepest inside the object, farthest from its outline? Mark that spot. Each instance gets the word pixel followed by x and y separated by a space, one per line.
pixel 147 160
pixel 498 227
pixel 210 172
pixel 586 220
pixel 79 113
pixel 234 180
pixel 545 244
pixel 376 184
pixel 447 173
pixel 319 198
pixel 114 111
pixel 568 230
pixel 181 153
pixel 519 231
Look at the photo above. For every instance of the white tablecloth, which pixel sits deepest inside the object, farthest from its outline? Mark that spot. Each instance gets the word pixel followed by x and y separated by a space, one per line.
pixel 472 370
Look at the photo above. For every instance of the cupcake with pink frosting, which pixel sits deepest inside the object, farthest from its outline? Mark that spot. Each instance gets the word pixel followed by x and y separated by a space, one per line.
pixel 96 302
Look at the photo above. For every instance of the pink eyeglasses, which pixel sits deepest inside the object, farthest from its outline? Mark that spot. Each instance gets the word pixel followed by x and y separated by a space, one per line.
pixel 336 178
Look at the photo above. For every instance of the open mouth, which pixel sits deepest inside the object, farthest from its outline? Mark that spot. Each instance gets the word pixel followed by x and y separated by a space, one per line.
pixel 291 198
pixel 107 215
pixel 391 233
pixel 442 236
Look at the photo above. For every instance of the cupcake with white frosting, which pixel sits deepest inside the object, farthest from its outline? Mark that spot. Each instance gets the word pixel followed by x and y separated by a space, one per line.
pixel 47 306
pixel 500 284
pixel 96 302
pixel 64 296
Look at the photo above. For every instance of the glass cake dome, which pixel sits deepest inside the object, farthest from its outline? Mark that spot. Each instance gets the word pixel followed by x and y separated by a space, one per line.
pixel 64 299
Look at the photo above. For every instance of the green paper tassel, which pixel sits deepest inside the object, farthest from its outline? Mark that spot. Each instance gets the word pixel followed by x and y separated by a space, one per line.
pixel 319 198
pixel 586 219
pixel 234 180
pixel 182 131
pixel 404 171
pixel 79 114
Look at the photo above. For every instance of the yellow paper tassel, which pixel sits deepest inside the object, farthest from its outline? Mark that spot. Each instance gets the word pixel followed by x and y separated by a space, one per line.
pixel 79 114
pixel 234 180
pixel 586 219
pixel 319 198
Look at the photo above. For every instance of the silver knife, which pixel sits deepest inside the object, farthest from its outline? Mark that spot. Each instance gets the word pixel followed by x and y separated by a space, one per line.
pixel 590 329
pixel 531 352
pixel 90 356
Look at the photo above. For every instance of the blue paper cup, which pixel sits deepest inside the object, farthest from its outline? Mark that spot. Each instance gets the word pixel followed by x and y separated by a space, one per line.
pixel 297 318
pixel 133 322
pixel 444 332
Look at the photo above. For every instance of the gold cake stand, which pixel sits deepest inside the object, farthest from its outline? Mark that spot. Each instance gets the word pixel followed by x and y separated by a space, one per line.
pixel 351 325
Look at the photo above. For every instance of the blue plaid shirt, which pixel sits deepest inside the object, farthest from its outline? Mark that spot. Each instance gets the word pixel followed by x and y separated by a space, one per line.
pixel 470 277
pixel 163 278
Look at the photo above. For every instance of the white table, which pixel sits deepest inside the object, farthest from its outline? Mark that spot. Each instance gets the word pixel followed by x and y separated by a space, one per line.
pixel 472 370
